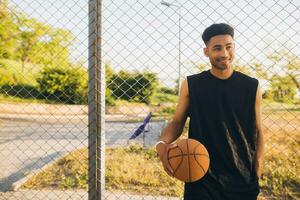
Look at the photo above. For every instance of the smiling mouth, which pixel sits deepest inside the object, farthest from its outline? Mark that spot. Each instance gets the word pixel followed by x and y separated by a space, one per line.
pixel 224 61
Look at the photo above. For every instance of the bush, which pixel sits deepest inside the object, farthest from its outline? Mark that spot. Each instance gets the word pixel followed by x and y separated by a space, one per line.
pixel 66 85
pixel 6 78
pixel 23 91
pixel 109 100
pixel 167 90
pixel 283 89
pixel 136 87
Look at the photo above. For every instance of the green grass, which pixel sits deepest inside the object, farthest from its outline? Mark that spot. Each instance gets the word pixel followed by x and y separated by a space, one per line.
pixel 158 98
pixel 24 75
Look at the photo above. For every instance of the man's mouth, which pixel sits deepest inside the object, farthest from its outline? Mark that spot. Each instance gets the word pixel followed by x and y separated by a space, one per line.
pixel 224 61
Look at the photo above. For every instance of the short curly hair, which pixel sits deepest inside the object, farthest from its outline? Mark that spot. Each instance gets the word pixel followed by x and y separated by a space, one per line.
pixel 217 29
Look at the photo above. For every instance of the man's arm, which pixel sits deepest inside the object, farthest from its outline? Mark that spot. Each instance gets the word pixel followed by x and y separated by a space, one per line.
pixel 174 128
pixel 260 135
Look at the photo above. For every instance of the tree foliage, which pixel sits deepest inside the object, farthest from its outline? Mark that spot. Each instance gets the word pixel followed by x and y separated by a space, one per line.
pixel 133 86
pixel 283 75
pixel 64 84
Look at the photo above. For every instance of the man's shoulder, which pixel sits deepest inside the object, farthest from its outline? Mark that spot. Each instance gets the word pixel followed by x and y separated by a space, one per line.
pixel 199 75
pixel 245 80
pixel 246 77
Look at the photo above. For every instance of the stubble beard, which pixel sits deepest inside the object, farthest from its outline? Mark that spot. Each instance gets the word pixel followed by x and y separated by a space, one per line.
pixel 221 67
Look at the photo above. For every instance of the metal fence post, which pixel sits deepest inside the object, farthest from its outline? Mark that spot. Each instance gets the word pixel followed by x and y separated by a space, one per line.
pixel 96 105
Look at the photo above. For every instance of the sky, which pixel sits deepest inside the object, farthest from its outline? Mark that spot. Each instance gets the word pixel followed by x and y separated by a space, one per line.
pixel 144 34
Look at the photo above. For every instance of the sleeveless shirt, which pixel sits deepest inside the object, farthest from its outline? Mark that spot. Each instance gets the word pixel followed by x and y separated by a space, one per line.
pixel 222 118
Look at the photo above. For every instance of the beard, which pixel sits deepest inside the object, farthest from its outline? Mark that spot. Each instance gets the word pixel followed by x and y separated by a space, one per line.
pixel 220 64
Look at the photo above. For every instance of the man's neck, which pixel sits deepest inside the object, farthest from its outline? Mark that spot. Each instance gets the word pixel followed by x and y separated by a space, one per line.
pixel 225 74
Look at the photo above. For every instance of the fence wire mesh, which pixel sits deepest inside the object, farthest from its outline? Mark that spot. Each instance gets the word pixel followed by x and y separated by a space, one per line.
pixel 47 80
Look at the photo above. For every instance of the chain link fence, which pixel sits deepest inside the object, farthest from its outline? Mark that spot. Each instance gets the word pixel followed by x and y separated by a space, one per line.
pixel 62 61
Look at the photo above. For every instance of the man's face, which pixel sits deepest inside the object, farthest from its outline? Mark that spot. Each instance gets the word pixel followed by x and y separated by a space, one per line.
pixel 220 51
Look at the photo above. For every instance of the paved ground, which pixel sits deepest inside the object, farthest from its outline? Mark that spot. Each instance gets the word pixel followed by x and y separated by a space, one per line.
pixel 72 195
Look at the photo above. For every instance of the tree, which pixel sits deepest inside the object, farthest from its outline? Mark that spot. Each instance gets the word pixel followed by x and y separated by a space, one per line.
pixel 283 89
pixel 290 64
pixel 109 100
pixel 8 32
pixel 238 66
pixel 30 32
pixel 56 51
pixel 43 44
pixel 4 7
pixel 282 71
pixel 283 62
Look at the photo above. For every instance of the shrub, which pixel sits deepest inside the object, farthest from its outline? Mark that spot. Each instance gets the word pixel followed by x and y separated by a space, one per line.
pixel 66 85
pixel 136 87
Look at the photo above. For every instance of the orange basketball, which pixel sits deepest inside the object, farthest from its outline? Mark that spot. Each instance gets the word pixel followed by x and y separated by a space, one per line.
pixel 189 160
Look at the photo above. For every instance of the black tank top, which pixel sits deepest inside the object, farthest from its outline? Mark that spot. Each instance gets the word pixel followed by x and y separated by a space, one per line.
pixel 222 117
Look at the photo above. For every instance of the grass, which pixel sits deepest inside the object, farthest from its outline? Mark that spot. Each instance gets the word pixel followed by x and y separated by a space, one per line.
pixel 158 97
pixel 133 169
pixel 282 165
pixel 166 112
pixel 68 172
pixel 24 74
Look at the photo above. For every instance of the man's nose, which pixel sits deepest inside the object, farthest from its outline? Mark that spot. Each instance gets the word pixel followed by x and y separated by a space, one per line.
pixel 224 53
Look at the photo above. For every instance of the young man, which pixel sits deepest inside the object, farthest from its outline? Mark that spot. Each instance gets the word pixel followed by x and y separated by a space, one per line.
pixel 224 107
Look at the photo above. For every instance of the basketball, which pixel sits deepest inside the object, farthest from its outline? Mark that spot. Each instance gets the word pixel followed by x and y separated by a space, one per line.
pixel 189 160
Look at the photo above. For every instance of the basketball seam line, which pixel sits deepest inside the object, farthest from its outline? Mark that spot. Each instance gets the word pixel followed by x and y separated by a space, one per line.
pixel 197 154
pixel 187 145
pixel 179 163
pixel 197 160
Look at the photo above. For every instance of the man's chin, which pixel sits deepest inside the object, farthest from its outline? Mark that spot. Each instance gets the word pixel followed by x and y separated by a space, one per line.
pixel 222 67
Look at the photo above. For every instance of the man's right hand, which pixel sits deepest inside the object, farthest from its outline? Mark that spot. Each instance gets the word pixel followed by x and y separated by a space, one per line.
pixel 162 150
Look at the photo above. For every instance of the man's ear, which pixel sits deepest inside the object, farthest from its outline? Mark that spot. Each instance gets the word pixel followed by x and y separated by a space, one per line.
pixel 205 51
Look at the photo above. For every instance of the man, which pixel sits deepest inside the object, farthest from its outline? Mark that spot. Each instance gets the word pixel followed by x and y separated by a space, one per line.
pixel 224 107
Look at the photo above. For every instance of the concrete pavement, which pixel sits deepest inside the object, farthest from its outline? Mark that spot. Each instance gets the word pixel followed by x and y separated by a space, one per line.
pixel 75 195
